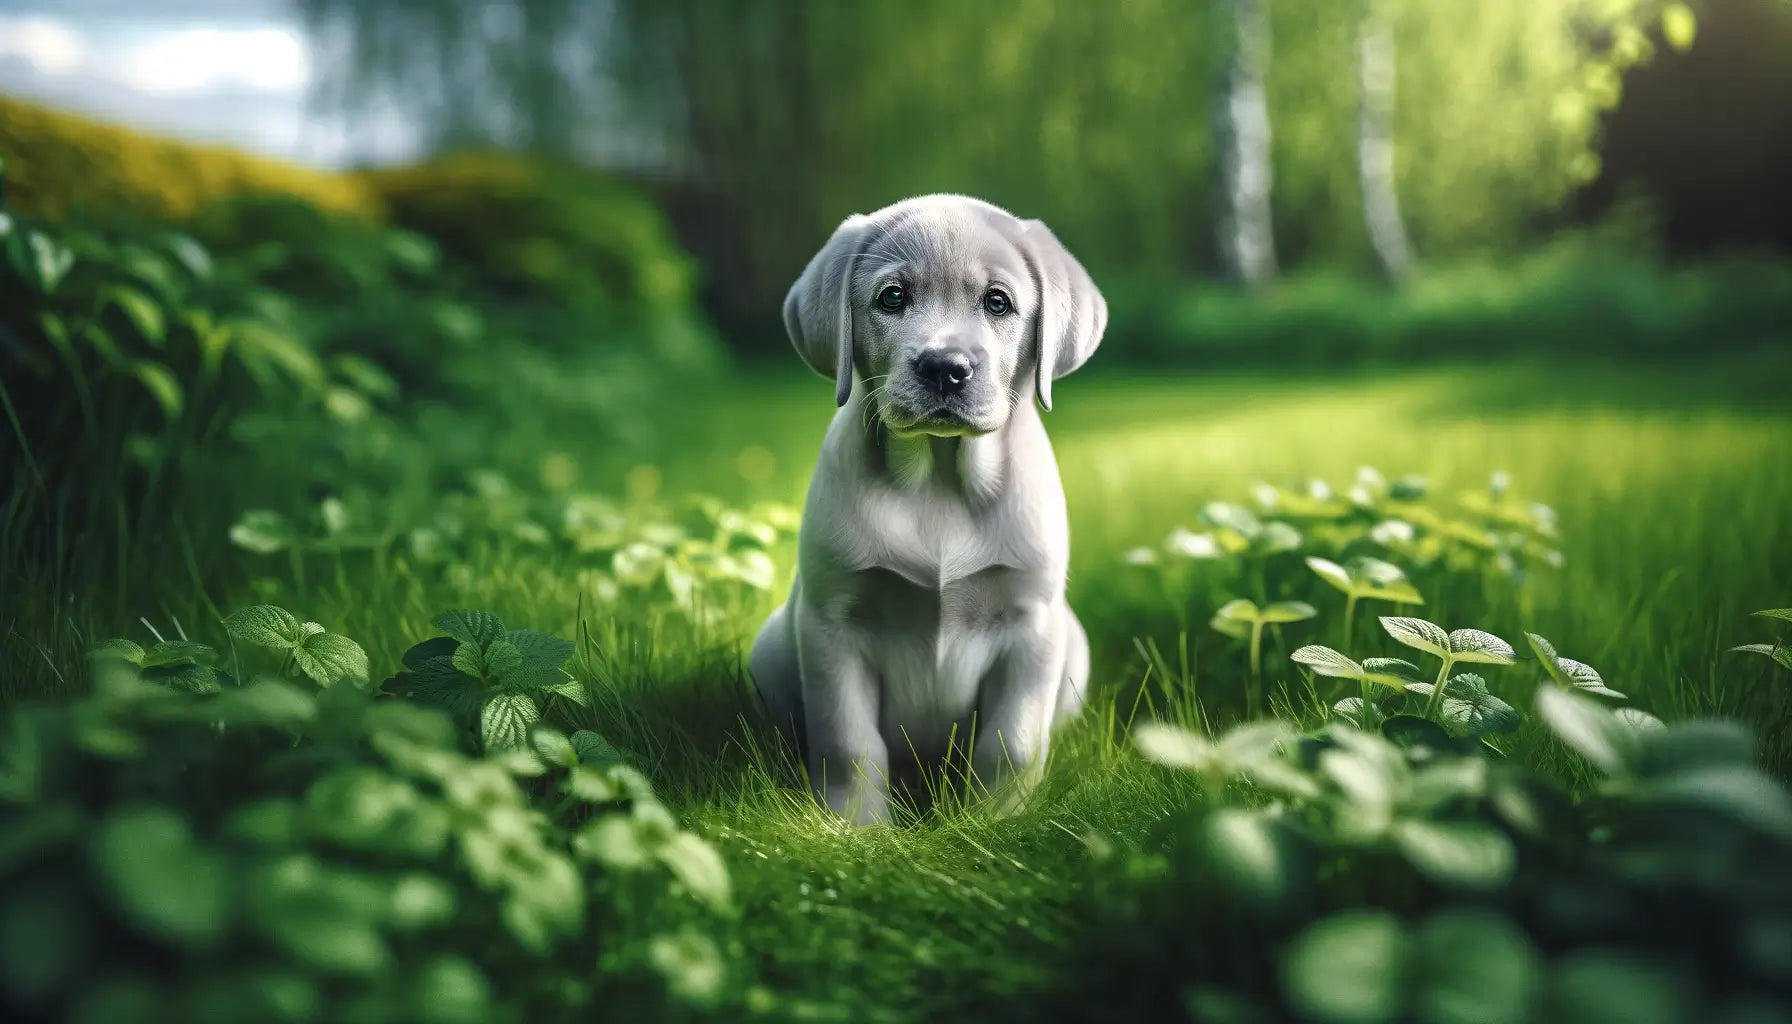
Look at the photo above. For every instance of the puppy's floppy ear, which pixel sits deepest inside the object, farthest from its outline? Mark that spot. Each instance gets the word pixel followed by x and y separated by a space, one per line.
pixel 818 313
pixel 1072 313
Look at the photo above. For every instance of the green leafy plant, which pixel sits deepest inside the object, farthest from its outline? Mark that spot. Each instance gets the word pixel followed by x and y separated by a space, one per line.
pixel 1780 651
pixel 1365 579
pixel 1451 648
pixel 296 851
pixel 1241 619
pixel 481 672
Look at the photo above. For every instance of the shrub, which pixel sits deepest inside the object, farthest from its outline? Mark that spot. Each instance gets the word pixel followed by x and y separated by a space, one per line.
pixel 60 165
pixel 557 238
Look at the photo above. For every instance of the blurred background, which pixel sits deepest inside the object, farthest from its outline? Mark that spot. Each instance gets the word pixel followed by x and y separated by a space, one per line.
pixel 1176 146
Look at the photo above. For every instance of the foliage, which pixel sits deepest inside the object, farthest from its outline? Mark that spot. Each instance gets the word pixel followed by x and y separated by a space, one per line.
pixel 1360 878
pixel 60 165
pixel 588 247
pixel 1780 650
pixel 286 852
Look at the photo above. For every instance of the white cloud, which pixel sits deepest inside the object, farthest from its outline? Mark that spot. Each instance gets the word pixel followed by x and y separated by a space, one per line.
pixel 190 61
pixel 49 46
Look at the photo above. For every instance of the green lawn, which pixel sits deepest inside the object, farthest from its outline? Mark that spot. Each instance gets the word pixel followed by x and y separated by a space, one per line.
pixel 1672 493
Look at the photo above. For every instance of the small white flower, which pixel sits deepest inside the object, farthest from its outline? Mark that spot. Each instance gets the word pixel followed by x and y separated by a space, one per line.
pixel 1192 545
pixel 1141 556
pixel 1392 532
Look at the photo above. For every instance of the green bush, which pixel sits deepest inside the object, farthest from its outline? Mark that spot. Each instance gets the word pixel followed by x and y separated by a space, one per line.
pixel 557 239
pixel 1592 294
pixel 290 843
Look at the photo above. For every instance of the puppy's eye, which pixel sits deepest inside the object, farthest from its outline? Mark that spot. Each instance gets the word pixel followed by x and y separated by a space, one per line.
pixel 996 302
pixel 892 299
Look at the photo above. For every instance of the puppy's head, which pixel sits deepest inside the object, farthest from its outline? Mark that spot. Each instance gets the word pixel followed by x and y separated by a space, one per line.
pixel 949 309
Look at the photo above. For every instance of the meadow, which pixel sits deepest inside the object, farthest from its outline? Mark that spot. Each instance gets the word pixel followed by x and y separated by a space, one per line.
pixel 1671 514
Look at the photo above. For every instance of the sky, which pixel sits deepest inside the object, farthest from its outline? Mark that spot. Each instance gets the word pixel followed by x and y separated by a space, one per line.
pixel 236 72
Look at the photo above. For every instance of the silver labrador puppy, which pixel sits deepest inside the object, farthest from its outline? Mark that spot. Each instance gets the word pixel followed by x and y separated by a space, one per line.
pixel 929 601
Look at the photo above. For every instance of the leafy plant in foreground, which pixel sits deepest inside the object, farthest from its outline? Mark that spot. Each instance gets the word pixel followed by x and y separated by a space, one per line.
pixel 1361 880
pixel 1780 651
pixel 481 672
pixel 287 852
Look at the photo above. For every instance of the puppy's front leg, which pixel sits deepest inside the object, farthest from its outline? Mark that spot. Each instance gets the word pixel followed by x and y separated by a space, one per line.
pixel 1015 709
pixel 848 764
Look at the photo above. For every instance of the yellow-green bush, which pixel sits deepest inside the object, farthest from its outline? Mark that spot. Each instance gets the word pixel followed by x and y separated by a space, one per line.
pixel 58 164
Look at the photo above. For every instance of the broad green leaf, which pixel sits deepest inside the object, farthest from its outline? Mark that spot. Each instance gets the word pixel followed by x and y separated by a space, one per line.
pixel 502 660
pixel 1473 966
pixel 1547 657
pixel 1173 745
pixel 1444 781
pixel 330 659
pixel 1394 669
pixel 1326 662
pixel 141 310
pixel 540 648
pixel 1585 678
pixel 1417 633
pixel 697 864
pixel 264 348
pixel 162 385
pixel 1234 517
pixel 161 879
pixel 470 660
pixel 1469 706
pixel 554 747
pixel 471 627
pixel 435 647
pixel 1689 745
pixel 365 375
pixel 1238 610
pixel 1348 968
pixel 122 650
pixel 1591 730
pixel 615 841
pixel 1233 628
pixel 1470 854
pixel 1331 572
pixel 1278 536
pixel 1782 614
pixel 1288 611
pixel 691 964
pixel 1254 741
pixel 1365 780
pixel 1742 793
pixel 262 531
pixel 1479 646
pixel 264 702
pixel 185 676
pixel 592 749
pixel 1243 846
pixel 571 689
pixel 1778 652
pixel 171 652
pixel 1188 544
pixel 505 722
pixel 418 901
pixel 1411 732
pixel 265 625
pixel 1638 720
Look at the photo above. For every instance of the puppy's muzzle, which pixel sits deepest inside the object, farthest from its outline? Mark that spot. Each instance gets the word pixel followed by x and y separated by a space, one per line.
pixel 945 371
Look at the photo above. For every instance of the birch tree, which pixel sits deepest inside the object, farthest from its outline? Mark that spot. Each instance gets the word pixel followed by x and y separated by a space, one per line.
pixel 1247 232
pixel 1375 62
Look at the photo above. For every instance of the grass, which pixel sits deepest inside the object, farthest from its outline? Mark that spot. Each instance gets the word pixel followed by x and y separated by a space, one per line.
pixel 1672 495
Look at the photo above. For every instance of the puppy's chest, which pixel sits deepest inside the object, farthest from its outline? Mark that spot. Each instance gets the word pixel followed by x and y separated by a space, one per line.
pixel 929 542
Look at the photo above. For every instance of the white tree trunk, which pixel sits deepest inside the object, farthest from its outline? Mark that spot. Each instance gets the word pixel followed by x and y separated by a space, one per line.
pixel 1247 233
pixel 1375 146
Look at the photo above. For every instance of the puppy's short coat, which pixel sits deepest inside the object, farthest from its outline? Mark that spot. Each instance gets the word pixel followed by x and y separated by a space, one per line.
pixel 928 604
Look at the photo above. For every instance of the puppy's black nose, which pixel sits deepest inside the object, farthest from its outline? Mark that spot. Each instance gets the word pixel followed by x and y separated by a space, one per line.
pixel 944 370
